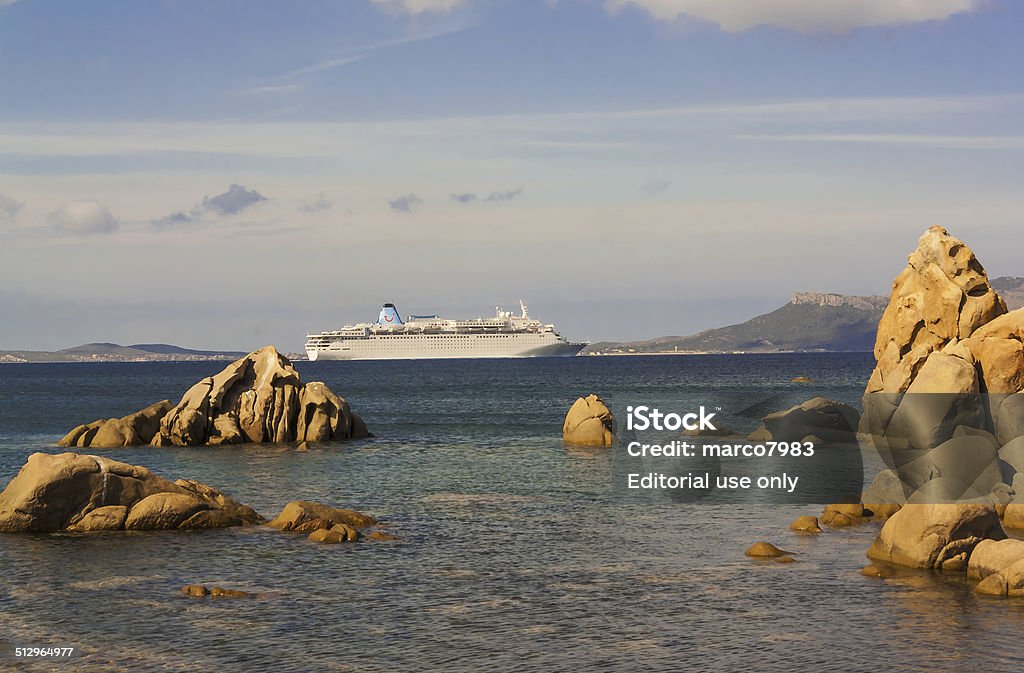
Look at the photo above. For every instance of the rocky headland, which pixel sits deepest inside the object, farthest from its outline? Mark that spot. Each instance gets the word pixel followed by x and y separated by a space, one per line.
pixel 259 398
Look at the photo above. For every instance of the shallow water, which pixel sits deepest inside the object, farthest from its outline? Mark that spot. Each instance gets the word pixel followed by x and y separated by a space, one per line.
pixel 516 554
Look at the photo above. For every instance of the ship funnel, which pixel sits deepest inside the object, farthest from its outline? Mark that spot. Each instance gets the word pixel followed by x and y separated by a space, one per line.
pixel 389 316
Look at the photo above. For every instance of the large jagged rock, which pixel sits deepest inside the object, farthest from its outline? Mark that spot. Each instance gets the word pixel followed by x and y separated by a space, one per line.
pixel 940 300
pixel 830 420
pixel 936 536
pixel 133 429
pixel 259 398
pixel 589 422
pixel 71 491
pixel 945 394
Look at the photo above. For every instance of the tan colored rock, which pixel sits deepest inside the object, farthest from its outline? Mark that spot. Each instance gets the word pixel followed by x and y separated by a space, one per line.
pixel 881 511
pixel 258 398
pixel 339 532
pixel 993 556
pixel 928 535
pixel 941 298
pixel 1013 516
pixel 221 592
pixel 195 590
pixel 842 514
pixel 310 516
pixel 55 492
pixel 802 379
pixel 805 524
pixel 110 517
pixel 760 435
pixel 765 550
pixel 381 536
pixel 993 585
pixel 589 422
pixel 131 430
pixel 875 570
pixel 998 348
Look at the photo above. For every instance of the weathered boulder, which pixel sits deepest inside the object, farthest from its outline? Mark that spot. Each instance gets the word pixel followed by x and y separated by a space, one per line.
pixel 827 419
pixel 589 422
pixel 886 488
pixel 765 550
pixel 70 491
pixel 993 556
pixel 258 398
pixel 1007 416
pixel 968 457
pixel 842 514
pixel 943 396
pixel 133 429
pixel 307 517
pixel 936 536
pixel 805 524
pixel 339 532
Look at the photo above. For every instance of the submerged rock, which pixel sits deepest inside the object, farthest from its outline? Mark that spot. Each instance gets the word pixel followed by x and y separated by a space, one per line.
pixel 805 524
pixel 201 591
pixel 307 517
pixel 765 550
pixel 589 422
pixel 70 491
pixel 339 532
pixel 258 398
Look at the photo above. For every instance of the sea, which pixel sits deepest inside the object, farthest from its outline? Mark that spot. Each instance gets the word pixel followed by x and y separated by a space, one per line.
pixel 516 552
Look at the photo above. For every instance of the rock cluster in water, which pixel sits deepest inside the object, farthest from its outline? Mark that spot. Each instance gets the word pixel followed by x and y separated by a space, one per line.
pixel 70 491
pixel 259 398
pixel 944 408
pixel 589 423
pixel 324 523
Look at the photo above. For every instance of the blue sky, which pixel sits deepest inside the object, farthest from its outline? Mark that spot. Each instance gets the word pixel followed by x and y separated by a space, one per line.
pixel 227 174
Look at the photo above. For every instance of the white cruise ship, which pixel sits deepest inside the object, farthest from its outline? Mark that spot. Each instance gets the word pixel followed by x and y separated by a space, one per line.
pixel 430 336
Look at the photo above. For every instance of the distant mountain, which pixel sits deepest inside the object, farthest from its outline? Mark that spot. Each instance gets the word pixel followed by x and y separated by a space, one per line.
pixel 811 321
pixel 108 352
pixel 1011 289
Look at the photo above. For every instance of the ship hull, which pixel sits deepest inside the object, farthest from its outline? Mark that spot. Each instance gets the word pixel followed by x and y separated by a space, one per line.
pixel 476 347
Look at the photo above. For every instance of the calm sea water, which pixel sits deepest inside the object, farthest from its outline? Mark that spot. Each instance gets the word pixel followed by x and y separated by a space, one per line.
pixel 517 554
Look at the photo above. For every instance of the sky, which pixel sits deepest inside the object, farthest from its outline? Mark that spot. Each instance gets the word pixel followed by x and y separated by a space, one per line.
pixel 227 174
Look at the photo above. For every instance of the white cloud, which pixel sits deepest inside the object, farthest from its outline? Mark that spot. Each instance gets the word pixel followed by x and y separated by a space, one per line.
pixel 805 16
pixel 83 217
pixel 8 206
pixel 420 6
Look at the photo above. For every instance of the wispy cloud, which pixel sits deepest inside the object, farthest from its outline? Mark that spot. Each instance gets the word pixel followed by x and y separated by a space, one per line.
pixel 420 6
pixel 464 198
pixel 945 141
pixel 349 56
pixel 406 203
pixel 507 195
pixel 320 205
pixel 655 186
pixel 273 89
